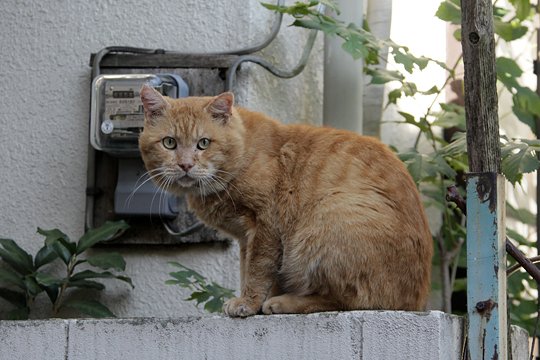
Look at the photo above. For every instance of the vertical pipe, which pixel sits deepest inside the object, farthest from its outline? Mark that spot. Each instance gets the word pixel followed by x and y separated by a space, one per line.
pixel 343 84
pixel 379 17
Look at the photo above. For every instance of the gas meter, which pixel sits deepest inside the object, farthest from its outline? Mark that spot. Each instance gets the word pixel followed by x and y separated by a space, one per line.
pixel 116 120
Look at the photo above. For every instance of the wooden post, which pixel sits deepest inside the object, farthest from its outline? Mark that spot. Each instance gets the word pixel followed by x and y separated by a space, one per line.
pixel 486 256
pixel 480 86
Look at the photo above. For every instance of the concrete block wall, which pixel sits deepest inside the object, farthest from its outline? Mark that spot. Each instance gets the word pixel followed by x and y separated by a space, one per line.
pixel 367 335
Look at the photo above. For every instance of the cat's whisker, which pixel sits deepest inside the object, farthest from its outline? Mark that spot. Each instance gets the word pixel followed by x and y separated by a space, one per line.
pixel 163 195
pixel 229 183
pixel 223 184
pixel 162 185
pixel 150 177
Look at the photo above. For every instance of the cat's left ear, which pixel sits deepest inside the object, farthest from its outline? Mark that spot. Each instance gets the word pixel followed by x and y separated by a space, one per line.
pixel 221 107
pixel 153 102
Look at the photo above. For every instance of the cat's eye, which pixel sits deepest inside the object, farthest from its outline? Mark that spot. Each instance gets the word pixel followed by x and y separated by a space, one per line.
pixel 169 142
pixel 203 144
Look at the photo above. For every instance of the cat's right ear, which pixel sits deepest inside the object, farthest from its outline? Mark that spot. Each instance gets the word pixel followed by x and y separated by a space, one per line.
pixel 153 102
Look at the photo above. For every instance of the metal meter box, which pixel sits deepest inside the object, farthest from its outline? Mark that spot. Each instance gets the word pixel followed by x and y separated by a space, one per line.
pixel 116 120
pixel 117 114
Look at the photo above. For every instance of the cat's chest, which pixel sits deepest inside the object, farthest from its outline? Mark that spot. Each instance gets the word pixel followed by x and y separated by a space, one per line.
pixel 224 212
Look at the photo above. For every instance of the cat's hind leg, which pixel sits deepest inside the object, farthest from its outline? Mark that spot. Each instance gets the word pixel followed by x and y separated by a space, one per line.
pixel 295 304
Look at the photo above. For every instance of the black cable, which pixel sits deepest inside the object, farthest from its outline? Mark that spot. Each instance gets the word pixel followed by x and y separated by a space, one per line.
pixel 284 74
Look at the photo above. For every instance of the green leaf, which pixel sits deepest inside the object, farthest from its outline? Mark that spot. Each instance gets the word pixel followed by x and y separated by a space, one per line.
pixel 8 276
pixel 188 273
pixel 62 251
pixel 44 256
pixel 442 167
pixel 514 235
pixel 425 166
pixel 212 294
pixel 330 4
pixel 89 274
pixel 91 308
pixel 409 119
pixel 354 45
pixel 452 116
pixel 393 96
pixel 449 11
pixel 199 296
pixel 526 106
pixel 518 158
pixel 53 235
pixel 408 60
pixel 214 305
pixel 382 76
pixel 52 292
pixel 456 147
pixel 507 72
pixel 16 257
pixel 500 12
pixel 47 280
pixel 32 286
pixel 86 284
pixel 103 233
pixel 457 34
pixel 522 215
pixel 419 165
pixel 59 243
pixel 523 8
pixel 220 291
pixel 509 31
pixel 16 298
pixel 125 279
pixel 433 90
pixel 107 261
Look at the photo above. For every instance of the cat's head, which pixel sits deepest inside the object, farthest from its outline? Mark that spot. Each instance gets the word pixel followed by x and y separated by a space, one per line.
pixel 191 144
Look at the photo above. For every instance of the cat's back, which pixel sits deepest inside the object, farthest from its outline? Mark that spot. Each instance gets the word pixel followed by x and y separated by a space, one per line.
pixel 335 157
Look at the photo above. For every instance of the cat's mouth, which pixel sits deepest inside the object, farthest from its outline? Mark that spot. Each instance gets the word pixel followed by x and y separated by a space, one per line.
pixel 186 181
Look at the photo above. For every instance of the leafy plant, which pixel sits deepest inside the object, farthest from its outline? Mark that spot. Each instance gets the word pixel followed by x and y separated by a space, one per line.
pixel 204 292
pixel 442 127
pixel 25 277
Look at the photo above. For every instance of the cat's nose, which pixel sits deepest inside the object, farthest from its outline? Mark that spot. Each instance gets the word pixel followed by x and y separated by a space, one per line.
pixel 185 166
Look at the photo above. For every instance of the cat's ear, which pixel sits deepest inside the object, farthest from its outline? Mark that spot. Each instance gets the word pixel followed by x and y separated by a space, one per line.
pixel 221 107
pixel 153 102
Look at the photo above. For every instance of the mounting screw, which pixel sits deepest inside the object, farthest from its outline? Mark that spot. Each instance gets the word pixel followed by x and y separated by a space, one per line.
pixel 481 306
pixel 484 308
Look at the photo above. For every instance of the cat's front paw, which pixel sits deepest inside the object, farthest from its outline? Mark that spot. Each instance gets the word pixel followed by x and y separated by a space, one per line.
pixel 240 307
pixel 274 305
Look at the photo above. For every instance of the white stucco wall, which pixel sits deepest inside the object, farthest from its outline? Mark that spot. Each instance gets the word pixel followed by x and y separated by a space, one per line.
pixel 44 110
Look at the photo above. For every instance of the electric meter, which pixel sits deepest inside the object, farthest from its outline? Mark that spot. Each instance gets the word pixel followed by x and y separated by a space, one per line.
pixel 117 114
pixel 116 120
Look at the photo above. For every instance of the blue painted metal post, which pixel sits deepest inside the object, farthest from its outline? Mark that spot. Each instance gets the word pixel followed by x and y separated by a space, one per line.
pixel 486 267
pixel 486 256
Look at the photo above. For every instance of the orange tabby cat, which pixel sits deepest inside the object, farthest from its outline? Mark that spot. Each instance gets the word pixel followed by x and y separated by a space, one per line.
pixel 326 219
